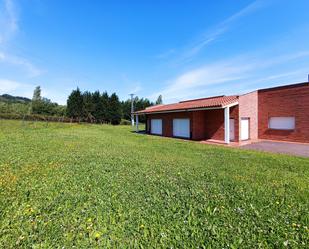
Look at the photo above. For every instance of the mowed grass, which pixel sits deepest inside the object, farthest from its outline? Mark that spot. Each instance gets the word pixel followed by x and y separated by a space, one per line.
pixel 66 185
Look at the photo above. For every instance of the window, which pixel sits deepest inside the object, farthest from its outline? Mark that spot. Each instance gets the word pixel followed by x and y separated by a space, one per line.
pixel 281 123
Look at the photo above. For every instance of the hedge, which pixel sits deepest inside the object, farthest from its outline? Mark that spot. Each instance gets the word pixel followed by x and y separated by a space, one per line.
pixel 35 117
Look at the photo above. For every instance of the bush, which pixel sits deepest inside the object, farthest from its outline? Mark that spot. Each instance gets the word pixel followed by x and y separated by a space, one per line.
pixel 35 117
pixel 125 122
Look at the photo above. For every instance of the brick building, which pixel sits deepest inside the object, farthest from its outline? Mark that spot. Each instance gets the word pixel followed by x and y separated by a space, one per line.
pixel 279 113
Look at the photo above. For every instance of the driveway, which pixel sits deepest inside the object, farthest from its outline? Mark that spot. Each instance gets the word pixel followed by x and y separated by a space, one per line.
pixel 295 149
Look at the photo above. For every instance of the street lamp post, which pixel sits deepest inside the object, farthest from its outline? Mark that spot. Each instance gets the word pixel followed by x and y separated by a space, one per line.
pixel 132 109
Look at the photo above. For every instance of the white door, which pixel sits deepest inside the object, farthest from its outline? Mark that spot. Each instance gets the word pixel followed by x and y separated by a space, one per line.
pixel 244 134
pixel 232 129
pixel 181 127
pixel 156 126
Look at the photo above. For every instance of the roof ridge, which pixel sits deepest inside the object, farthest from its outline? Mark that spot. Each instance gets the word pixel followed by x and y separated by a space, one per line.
pixel 301 84
pixel 214 97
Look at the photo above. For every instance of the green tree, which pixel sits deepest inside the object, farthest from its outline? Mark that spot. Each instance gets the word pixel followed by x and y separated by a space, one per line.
pixel 37 94
pixel 126 109
pixel 36 102
pixel 139 104
pixel 98 108
pixel 105 110
pixel 159 100
pixel 114 109
pixel 88 106
pixel 75 105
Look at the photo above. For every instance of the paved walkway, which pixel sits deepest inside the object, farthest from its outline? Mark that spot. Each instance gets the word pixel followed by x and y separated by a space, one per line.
pixel 296 149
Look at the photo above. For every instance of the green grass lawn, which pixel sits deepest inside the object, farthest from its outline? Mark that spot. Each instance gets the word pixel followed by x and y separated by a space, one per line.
pixel 65 185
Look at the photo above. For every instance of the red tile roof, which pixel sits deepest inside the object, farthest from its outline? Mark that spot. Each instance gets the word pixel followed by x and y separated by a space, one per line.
pixel 212 102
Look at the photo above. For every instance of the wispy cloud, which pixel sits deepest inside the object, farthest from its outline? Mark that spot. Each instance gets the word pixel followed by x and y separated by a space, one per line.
pixel 9 26
pixel 8 85
pixel 241 71
pixel 166 54
pixel 8 20
pixel 133 86
pixel 220 29
pixel 136 89
pixel 30 69
pixel 16 87
pixel 211 35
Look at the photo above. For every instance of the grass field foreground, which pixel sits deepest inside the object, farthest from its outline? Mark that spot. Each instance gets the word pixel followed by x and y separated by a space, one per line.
pixel 65 185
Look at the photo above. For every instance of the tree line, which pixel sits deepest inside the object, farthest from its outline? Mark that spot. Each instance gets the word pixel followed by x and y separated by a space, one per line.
pixel 103 108
pixel 94 107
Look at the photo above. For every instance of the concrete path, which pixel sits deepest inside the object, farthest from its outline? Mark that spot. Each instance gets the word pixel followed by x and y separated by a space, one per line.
pixel 296 149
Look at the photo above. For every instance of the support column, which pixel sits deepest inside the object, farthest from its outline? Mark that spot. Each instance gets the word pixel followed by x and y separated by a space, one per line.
pixel 227 125
pixel 136 116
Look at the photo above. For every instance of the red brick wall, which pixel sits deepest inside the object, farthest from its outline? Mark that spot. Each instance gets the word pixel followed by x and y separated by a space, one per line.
pixel 214 124
pixel 285 102
pixel 167 121
pixel 248 108
pixel 234 113
pixel 203 124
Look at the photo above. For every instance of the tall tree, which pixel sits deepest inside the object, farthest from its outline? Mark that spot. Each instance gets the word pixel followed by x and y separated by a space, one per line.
pixel 159 100
pixel 105 104
pixel 88 106
pixel 37 94
pixel 98 108
pixel 126 109
pixel 75 105
pixel 36 102
pixel 114 109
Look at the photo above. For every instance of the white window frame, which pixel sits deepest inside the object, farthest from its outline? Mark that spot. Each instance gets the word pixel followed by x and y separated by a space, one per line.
pixel 288 122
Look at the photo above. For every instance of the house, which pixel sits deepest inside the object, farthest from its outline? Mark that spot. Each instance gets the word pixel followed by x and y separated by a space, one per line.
pixel 279 113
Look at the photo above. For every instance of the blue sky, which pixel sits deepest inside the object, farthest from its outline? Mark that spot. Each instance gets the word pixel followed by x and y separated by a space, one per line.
pixel 180 49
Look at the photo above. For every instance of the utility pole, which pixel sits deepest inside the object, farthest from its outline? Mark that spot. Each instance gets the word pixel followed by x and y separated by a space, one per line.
pixel 132 109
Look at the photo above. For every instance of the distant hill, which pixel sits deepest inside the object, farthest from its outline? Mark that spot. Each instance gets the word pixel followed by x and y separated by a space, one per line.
pixel 14 99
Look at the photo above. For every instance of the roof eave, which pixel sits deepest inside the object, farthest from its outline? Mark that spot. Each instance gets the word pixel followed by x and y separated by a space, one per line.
pixel 190 109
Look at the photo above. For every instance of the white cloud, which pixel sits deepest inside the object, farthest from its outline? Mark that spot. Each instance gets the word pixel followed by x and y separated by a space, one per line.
pixel 166 54
pixel 8 85
pixel 241 71
pixel 30 69
pixel 220 29
pixel 8 20
pixel 136 89
pixel 133 86
pixel 16 88
pixel 8 29
pixel 211 35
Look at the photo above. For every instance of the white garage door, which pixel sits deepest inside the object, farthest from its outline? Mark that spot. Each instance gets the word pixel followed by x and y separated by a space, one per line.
pixel 244 135
pixel 181 127
pixel 156 126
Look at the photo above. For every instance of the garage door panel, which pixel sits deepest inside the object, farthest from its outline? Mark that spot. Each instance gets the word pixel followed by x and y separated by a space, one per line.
pixel 181 127
pixel 156 126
